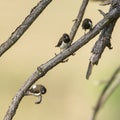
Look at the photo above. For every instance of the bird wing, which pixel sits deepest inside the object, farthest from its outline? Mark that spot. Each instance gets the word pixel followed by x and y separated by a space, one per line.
pixel 59 42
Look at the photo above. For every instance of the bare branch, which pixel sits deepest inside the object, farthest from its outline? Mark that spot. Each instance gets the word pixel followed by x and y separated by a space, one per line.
pixel 35 12
pixel 78 19
pixel 99 47
pixel 112 84
pixel 22 91
pixel 101 44
pixel 107 2
pixel 44 68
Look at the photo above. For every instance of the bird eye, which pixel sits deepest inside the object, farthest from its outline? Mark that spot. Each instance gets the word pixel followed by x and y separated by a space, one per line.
pixel 43 90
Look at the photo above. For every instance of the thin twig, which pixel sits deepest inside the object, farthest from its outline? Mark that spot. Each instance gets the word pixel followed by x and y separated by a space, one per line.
pixel 35 12
pixel 78 19
pixel 101 12
pixel 44 68
pixel 107 2
pixel 112 84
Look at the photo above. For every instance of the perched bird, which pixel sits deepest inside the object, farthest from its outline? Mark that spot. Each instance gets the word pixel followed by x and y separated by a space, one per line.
pixel 87 24
pixel 64 42
pixel 38 89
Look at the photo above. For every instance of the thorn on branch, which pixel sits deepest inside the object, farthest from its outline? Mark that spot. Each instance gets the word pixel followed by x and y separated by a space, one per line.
pixel 101 12
pixel 41 70
pixel 74 20
pixel 66 60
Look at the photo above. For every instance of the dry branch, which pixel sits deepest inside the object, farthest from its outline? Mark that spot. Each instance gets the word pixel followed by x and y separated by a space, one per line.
pixel 35 12
pixel 14 105
pixel 44 68
pixel 102 42
pixel 100 45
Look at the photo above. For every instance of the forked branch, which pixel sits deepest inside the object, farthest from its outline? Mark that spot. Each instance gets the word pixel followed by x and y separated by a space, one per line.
pixel 44 68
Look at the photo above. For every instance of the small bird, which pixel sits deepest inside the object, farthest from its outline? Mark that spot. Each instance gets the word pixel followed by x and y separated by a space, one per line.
pixel 64 42
pixel 38 89
pixel 87 24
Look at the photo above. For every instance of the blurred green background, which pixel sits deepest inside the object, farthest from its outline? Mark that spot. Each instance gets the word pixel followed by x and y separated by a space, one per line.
pixel 69 96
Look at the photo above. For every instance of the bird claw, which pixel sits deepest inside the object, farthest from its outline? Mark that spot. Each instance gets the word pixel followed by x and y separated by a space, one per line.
pixel 39 99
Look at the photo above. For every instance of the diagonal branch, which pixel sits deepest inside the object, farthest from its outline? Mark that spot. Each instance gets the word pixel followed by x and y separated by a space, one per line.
pixel 112 84
pixel 9 115
pixel 35 12
pixel 44 68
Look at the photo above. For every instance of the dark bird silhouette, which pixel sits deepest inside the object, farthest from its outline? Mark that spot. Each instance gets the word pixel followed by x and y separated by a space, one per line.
pixel 87 24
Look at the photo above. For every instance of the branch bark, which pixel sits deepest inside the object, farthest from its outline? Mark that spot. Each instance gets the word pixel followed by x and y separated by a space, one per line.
pixel 35 12
pixel 41 72
pixel 100 45
pixel 44 68
pixel 103 41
